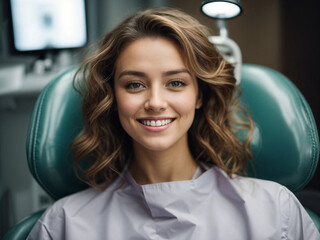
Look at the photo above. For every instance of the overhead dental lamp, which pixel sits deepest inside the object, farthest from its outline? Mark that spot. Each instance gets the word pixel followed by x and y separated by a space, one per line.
pixel 222 10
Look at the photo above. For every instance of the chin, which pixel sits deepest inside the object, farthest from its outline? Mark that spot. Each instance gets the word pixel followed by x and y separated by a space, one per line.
pixel 156 146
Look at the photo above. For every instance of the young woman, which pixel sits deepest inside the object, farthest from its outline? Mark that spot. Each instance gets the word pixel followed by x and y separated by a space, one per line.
pixel 163 160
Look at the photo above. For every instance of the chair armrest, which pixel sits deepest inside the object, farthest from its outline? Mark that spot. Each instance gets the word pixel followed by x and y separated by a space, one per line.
pixel 22 229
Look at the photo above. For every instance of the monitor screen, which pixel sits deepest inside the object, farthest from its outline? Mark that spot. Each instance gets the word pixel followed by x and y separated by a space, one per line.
pixel 48 24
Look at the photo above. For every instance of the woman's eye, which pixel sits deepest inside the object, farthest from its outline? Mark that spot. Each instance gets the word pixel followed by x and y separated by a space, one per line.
pixel 176 84
pixel 134 85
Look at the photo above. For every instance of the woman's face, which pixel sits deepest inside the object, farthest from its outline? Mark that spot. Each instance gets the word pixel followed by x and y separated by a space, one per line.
pixel 156 94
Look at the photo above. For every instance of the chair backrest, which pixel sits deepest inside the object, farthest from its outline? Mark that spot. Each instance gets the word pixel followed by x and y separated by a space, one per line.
pixel 285 145
pixel 55 122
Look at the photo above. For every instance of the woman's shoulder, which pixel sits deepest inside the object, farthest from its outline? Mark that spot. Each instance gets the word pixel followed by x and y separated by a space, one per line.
pixel 58 211
pixel 71 204
pixel 254 188
pixel 273 201
pixel 77 207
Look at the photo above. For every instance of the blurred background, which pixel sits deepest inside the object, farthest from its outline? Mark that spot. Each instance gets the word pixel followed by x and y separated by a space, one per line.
pixel 280 34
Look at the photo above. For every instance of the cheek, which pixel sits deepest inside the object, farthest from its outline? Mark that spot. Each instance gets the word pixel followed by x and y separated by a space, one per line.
pixel 127 107
pixel 185 108
pixel 185 104
pixel 124 114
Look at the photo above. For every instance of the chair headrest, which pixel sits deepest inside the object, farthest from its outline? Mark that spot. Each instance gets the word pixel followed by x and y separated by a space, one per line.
pixel 285 145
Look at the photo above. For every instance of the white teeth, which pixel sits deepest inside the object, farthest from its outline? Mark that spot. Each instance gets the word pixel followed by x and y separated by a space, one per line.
pixel 157 123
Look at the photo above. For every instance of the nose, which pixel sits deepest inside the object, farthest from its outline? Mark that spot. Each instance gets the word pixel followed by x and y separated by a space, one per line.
pixel 156 100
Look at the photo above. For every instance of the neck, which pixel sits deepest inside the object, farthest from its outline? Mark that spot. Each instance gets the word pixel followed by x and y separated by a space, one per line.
pixel 162 166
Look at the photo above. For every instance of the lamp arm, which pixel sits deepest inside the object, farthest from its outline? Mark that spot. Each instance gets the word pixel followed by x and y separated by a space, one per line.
pixel 222 26
pixel 231 52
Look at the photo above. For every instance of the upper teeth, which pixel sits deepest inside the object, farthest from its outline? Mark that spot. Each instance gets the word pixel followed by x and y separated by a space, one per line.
pixel 156 123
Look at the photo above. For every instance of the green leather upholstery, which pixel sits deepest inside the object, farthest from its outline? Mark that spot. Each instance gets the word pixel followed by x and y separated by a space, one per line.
pixel 55 122
pixel 285 143
pixel 22 229
pixel 315 218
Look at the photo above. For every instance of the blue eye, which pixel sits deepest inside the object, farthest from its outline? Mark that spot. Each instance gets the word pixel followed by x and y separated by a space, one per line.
pixel 176 83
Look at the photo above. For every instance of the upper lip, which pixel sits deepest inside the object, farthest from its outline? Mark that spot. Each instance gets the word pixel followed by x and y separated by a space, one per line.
pixel 155 118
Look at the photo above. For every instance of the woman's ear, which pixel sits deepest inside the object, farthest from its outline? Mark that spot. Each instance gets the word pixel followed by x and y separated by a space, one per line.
pixel 199 105
pixel 199 100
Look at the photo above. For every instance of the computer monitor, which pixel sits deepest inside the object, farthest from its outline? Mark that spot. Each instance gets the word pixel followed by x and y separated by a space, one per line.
pixel 47 25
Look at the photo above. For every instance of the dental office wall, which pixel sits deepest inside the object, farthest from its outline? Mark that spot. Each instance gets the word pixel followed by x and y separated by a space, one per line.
pixel 274 33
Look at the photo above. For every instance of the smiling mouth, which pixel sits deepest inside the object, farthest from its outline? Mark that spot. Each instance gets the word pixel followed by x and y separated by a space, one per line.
pixel 156 123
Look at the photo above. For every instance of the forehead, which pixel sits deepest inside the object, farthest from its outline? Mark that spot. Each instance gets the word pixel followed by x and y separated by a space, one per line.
pixel 151 54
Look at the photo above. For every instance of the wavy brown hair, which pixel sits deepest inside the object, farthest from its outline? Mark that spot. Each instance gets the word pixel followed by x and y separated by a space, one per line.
pixel 103 148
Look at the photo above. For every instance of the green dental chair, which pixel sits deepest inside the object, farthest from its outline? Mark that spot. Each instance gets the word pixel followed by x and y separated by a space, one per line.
pixel 285 143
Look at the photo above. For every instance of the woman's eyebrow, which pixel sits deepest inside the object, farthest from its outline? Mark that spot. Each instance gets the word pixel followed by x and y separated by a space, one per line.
pixel 142 74
pixel 174 72
pixel 132 73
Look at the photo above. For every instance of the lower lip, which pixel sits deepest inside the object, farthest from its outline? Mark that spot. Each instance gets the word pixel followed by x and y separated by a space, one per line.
pixel 156 129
